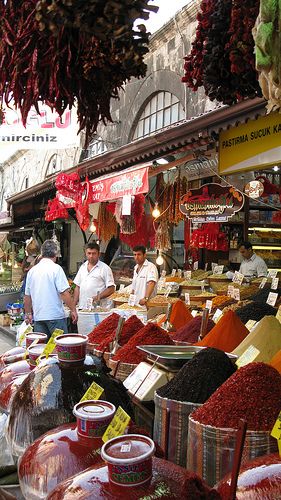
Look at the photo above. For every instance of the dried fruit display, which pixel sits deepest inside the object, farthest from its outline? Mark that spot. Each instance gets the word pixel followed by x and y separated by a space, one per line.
pixel 75 63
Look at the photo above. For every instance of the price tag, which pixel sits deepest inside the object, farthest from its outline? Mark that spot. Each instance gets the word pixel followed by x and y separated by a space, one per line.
pixel 161 283
pixel 218 269
pixel 173 274
pixel 179 273
pixel 187 298
pixel 50 345
pixel 132 299
pixel 163 273
pixel 214 264
pixel 169 289
pixel 187 275
pixel 195 265
pixel 248 356
pixel 209 304
pixel 275 283
pixel 272 273
pixel 276 431
pixel 238 278
pixel 236 294
pixel 121 288
pixel 278 315
pixel 230 291
pixel 22 336
pixel 89 303
pixel 117 426
pixel 272 298
pixel 263 283
pixel 94 392
pixel 217 316
pixel 250 324
pixel 194 313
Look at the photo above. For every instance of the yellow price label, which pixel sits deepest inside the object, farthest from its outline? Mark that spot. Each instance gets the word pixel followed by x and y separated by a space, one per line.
pixel 276 431
pixel 94 392
pixel 117 426
pixel 248 356
pixel 23 335
pixel 50 344
pixel 250 324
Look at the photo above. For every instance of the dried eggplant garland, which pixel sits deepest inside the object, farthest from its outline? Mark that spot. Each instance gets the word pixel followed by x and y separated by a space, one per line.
pixel 70 66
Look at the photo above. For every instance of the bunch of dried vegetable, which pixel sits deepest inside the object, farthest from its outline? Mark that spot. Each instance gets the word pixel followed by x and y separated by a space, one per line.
pixel 72 65
pixel 162 236
pixel 107 225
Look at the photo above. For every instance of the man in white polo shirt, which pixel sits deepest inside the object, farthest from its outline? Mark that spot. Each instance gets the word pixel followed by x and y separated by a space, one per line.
pixel 145 276
pixel 46 290
pixel 94 279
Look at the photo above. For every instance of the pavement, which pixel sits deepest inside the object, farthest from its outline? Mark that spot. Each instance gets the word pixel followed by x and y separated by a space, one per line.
pixel 7 339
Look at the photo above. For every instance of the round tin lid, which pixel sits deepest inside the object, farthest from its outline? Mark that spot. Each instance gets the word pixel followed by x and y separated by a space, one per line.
pixel 69 339
pixel 94 410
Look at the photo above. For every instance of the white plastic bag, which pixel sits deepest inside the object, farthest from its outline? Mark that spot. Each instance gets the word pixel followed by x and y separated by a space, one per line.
pixel 22 330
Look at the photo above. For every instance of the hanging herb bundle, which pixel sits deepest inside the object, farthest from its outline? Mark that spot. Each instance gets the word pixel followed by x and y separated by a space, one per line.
pixel 72 65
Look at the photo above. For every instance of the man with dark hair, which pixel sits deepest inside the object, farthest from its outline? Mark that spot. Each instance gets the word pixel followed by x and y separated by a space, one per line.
pixel 145 276
pixel 252 265
pixel 46 290
pixel 94 279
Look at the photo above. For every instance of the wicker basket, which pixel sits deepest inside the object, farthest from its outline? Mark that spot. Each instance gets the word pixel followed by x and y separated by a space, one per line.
pixel 120 370
pixel 106 356
pixel 91 347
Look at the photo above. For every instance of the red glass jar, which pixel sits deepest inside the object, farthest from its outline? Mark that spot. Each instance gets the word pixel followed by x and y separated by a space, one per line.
pixel 65 451
pixel 168 482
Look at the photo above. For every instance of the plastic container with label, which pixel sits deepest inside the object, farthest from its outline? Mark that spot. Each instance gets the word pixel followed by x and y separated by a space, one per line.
pixel 71 348
pixel 34 352
pixel 41 337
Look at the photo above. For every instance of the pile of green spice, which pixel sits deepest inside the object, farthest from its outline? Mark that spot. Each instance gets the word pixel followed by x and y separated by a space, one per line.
pixel 252 393
pixel 200 377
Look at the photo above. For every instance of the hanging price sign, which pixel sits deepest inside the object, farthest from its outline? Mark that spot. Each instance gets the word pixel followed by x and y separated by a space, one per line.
pixel 117 426
pixel 195 265
pixel 94 392
pixel 272 298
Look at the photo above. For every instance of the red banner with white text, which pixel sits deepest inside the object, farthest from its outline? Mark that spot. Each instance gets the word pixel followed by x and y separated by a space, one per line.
pixel 131 182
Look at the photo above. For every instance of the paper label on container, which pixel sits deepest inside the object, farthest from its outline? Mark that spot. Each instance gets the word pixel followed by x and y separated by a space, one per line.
pixel 132 299
pixel 209 304
pixel 195 265
pixel 218 270
pixel 117 426
pixel 50 345
pixel 238 278
pixel 230 291
pixel 236 294
pixel 217 316
pixel 275 283
pixel 187 298
pixel 248 356
pixel 94 392
pixel 272 273
pixel 263 283
pixel 187 275
pixel 250 324
pixel 272 298
pixel 276 430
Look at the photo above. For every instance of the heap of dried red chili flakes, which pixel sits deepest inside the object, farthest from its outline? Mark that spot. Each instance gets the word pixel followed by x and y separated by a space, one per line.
pixel 106 328
pixel 83 62
pixel 149 335
pixel 130 327
pixel 252 393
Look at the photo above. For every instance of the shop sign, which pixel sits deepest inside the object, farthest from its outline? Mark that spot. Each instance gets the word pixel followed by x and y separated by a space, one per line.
pixel 201 167
pixel 254 189
pixel 252 145
pixel 115 186
pixel 211 203
pixel 46 130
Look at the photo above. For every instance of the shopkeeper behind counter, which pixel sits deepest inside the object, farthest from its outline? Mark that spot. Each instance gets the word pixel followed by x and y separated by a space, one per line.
pixel 145 276
pixel 94 279
pixel 252 265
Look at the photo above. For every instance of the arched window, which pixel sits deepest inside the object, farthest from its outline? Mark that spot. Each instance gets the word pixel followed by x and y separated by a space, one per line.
pixel 162 110
pixel 96 147
pixel 54 165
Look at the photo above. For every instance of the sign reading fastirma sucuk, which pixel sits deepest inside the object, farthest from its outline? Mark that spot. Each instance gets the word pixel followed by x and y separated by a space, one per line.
pixel 211 203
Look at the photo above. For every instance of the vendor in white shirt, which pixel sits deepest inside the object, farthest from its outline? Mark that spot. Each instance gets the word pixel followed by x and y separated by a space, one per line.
pixel 145 277
pixel 252 265
pixel 94 279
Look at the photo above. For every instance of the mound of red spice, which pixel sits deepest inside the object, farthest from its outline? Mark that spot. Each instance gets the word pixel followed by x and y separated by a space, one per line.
pixel 191 331
pixel 149 335
pixel 227 334
pixel 104 329
pixel 252 393
pixel 130 327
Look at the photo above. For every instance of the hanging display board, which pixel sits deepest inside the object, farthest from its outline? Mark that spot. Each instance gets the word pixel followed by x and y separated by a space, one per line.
pixel 211 203
pixel 114 186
